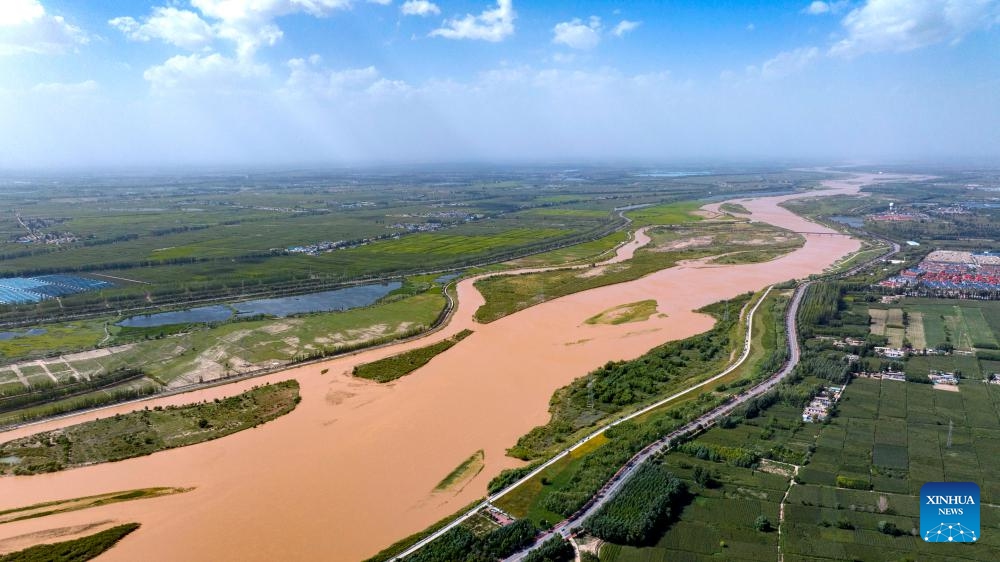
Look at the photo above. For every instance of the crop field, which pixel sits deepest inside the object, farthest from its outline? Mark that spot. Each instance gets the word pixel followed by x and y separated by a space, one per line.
pixel 719 523
pixel 893 437
pixel 965 324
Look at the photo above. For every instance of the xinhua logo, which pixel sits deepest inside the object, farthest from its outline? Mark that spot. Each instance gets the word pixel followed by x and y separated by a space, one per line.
pixel 949 512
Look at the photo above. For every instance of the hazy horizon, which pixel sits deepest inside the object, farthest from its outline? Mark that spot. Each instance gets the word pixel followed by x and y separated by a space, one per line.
pixel 289 83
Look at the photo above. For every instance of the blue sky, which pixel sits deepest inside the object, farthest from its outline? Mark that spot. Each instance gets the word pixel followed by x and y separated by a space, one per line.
pixel 173 82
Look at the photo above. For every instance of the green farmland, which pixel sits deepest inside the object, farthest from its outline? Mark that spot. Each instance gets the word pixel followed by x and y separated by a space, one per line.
pixel 891 436
pixel 965 325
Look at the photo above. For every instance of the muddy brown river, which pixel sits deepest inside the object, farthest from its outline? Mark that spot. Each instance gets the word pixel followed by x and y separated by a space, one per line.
pixel 353 468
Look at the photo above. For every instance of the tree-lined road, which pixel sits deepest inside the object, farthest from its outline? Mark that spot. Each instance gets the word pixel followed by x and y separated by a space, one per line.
pixel 489 500
pixel 706 420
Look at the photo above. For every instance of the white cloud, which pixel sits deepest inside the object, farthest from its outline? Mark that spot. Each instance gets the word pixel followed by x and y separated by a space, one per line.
pixel 195 71
pixel 62 88
pixel 578 35
pixel 250 23
pixel 625 26
pixel 785 63
pixel 247 25
pixel 183 28
pixel 905 25
pixel 18 12
pixel 818 8
pixel 266 10
pixel 491 25
pixel 419 8
pixel 307 78
pixel 25 27
pixel 751 27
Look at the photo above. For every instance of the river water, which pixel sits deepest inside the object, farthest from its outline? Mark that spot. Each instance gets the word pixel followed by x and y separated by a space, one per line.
pixel 353 468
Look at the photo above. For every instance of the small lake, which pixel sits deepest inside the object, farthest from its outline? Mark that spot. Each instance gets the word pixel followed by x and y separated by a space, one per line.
pixel 855 222
pixel 325 301
pixel 448 277
pixel 4 336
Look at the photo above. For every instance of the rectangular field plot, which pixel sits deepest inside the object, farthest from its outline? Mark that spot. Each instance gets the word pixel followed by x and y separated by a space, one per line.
pixel 980 333
pixel 878 320
pixel 7 376
pixel 892 401
pixel 890 456
pixel 61 371
pixel 915 331
pixel 978 405
pixel 35 374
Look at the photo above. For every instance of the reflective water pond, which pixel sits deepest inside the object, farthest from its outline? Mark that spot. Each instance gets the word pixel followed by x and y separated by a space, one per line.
pixel 325 301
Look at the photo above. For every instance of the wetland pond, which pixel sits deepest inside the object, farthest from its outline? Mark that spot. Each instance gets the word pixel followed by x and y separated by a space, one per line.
pixel 325 301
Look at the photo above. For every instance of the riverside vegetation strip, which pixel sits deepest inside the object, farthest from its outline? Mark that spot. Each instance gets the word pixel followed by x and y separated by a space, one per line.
pixel 75 504
pixel 396 366
pixel 146 431
pixel 76 550
pixel 506 295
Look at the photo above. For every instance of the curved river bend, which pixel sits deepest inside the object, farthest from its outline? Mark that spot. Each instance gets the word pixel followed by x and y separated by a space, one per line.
pixel 352 469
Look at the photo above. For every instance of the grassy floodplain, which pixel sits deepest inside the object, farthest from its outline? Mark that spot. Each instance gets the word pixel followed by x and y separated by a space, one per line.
pixel 76 550
pixel 734 208
pixel 508 294
pixel 176 355
pixel 146 431
pixel 75 504
pixel 396 366
pixel 469 468
pixel 578 253
pixel 631 312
